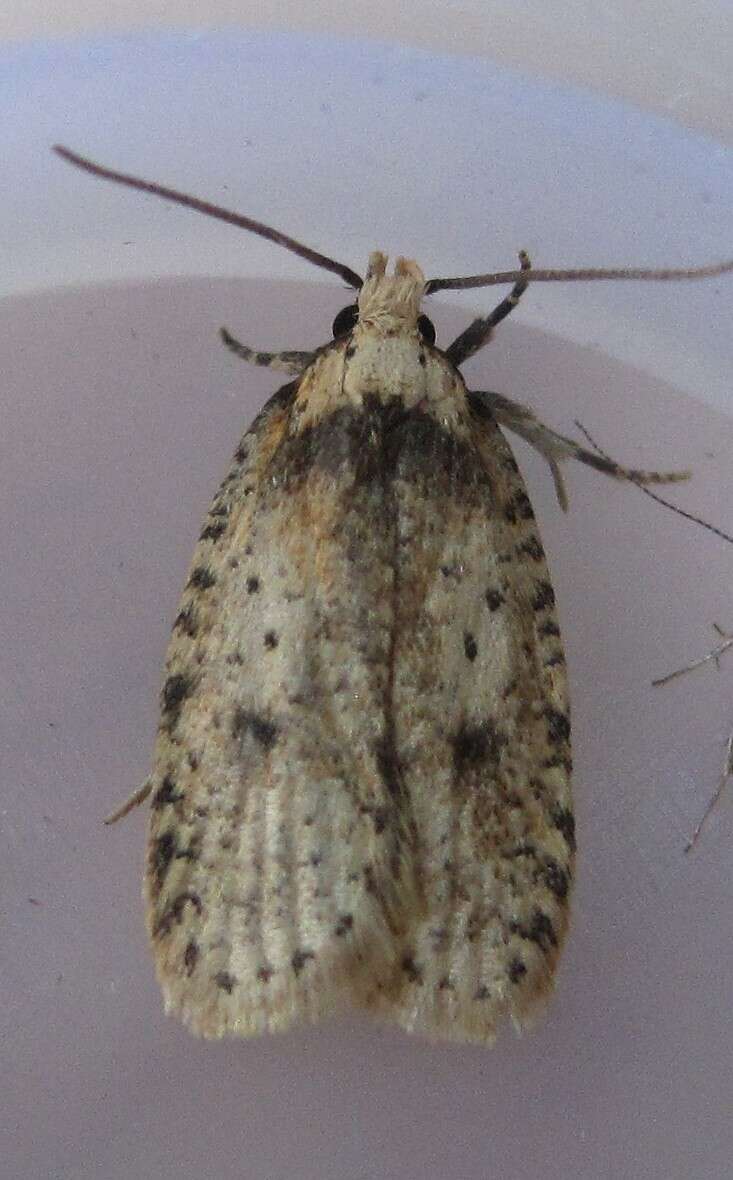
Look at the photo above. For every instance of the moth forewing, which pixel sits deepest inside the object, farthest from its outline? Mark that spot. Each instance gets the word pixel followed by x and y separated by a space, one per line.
pixel 361 780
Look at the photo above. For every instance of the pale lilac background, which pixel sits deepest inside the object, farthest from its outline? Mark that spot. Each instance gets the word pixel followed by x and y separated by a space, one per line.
pixel 665 55
pixel 119 413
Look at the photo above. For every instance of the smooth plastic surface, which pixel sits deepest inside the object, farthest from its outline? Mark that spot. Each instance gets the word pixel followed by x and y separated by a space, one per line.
pixel 120 410
pixel 355 146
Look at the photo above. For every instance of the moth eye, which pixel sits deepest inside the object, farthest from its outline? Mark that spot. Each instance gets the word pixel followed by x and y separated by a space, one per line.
pixel 426 329
pixel 345 320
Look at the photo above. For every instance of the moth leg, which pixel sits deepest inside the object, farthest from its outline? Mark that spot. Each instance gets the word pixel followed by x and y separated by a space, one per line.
pixel 283 362
pixel 555 447
pixel 136 798
pixel 480 331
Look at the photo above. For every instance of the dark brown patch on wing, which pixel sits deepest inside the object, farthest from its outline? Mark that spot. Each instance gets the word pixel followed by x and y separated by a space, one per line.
pixel 175 690
pixel 201 578
pixel 213 531
pixel 563 819
pixel 162 853
pixel 538 930
pixel 264 731
pixel 477 745
pixel 173 914
pixel 299 960
pixel 225 981
pixel 186 621
pixel 166 793
pixel 375 444
pixel 544 596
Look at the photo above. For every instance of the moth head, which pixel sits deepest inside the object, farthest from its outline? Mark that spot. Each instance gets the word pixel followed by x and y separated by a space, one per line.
pixel 391 303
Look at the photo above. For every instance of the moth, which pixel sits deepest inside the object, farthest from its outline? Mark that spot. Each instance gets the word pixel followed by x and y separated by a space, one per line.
pixel 360 794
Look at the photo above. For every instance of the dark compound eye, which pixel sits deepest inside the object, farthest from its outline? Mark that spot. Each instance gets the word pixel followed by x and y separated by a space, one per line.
pixel 345 320
pixel 426 329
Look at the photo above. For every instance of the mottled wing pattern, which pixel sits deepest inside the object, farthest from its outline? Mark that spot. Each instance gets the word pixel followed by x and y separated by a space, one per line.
pixel 361 780
pixel 277 882
pixel 482 735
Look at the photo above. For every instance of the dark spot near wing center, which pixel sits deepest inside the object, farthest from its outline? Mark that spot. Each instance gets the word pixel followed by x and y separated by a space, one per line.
pixel 299 960
pixel 344 925
pixel 190 957
pixel 225 981
pixel 470 646
pixel 494 599
pixel 516 969
pixel 246 721
pixel 411 969
pixel 477 744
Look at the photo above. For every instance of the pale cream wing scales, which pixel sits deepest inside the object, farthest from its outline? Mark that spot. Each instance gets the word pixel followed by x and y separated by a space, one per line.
pixel 482 733
pixel 280 868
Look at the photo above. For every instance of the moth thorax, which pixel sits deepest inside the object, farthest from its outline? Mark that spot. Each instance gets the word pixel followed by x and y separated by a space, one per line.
pixel 391 301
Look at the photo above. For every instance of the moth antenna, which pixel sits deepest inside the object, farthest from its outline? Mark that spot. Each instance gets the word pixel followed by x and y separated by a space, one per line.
pixel 655 495
pixel 660 275
pixel 256 227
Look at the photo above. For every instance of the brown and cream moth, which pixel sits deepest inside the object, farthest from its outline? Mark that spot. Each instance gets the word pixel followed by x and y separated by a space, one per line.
pixel 360 794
